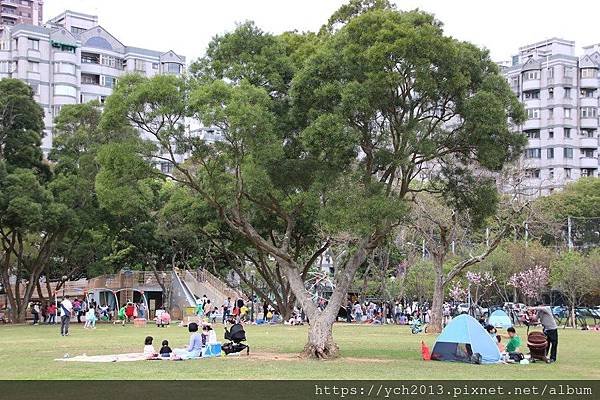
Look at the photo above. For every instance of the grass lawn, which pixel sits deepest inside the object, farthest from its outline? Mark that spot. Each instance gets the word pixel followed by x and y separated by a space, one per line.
pixel 368 352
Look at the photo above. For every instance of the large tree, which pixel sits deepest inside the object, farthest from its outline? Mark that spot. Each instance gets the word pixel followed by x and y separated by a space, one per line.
pixel 330 153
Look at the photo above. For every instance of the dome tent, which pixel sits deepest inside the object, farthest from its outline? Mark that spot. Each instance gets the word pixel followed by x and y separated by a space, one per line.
pixel 461 339
pixel 500 319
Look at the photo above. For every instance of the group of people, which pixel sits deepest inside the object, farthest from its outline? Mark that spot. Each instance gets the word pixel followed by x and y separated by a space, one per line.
pixel 198 340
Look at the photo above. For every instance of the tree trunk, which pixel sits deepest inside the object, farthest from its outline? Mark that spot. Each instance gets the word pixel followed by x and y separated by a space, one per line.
pixel 437 305
pixel 320 343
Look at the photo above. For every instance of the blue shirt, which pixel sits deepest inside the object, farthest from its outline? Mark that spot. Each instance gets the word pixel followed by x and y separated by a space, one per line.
pixel 195 342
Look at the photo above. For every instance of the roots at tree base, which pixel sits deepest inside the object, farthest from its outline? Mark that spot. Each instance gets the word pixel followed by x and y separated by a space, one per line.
pixel 320 344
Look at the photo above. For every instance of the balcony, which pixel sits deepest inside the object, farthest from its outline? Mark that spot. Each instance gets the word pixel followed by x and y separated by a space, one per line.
pixel 588 142
pixel 588 102
pixel 566 80
pixel 588 162
pixel 588 83
pixel 589 122
pixel 532 84
pixel 532 124
pixel 532 103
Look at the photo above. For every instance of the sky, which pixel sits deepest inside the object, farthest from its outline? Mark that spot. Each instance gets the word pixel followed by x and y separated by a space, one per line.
pixel 187 26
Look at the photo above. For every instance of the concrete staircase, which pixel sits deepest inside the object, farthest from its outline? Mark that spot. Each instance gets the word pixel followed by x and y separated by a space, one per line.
pixel 202 282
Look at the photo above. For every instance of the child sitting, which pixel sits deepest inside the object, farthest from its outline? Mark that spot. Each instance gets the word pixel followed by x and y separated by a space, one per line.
pixel 165 350
pixel 149 351
pixel 90 319
pixel 500 344
pixel 208 335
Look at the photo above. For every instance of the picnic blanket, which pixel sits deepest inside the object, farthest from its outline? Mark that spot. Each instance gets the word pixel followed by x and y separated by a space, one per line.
pixel 106 358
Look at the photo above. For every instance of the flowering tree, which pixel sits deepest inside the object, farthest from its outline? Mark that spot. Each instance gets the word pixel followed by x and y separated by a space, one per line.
pixel 531 282
pixel 458 293
pixel 479 283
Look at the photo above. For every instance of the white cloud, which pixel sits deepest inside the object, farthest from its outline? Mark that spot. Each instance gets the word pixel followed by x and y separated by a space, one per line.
pixel 187 26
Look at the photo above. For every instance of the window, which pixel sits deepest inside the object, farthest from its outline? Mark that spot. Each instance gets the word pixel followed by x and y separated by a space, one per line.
pixel 35 88
pixel 34 66
pixel 172 68
pixel 550 93
pixel 567 172
pixel 56 110
pixel 102 99
pixel 166 167
pixel 90 58
pixel 112 62
pixel 567 152
pixel 550 72
pixel 567 113
pixel 155 65
pixel 567 93
pixel 33 44
pixel 551 173
pixel 77 31
pixel 533 153
pixel 532 173
pixel 550 113
pixel 533 133
pixel 589 72
pixel 64 68
pixel 63 47
pixel 139 65
pixel 108 81
pixel 514 82
pixel 589 112
pixel 587 172
pixel 531 75
pixel 90 79
pixel 4 45
pixel 567 133
pixel 589 133
pixel 4 67
pixel 589 93
pixel 587 153
pixel 550 153
pixel 550 134
pixel 533 94
pixel 533 113
pixel 569 72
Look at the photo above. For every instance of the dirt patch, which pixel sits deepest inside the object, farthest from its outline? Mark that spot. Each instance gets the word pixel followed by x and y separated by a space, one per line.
pixel 266 356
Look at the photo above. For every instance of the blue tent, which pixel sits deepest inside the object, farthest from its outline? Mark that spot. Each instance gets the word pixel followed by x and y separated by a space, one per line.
pixel 461 339
pixel 500 319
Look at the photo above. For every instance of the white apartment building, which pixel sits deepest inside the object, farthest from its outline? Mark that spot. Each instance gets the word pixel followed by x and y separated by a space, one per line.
pixel 72 59
pixel 560 93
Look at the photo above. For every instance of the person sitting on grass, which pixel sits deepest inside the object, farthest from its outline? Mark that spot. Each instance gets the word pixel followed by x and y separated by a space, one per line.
pixel 500 344
pixel 194 349
pixel 149 351
pixel 165 350
pixel 491 330
pixel 209 335
pixel 514 342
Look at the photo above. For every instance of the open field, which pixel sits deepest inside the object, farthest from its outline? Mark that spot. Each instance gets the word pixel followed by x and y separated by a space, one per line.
pixel 368 352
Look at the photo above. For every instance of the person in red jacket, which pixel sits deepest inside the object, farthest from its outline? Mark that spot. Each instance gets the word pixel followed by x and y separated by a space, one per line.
pixel 129 311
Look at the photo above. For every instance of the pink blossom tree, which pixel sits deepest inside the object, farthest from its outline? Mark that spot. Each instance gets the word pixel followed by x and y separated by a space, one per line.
pixel 531 282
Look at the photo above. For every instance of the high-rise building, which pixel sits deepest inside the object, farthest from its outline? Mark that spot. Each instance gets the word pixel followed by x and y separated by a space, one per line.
pixel 72 59
pixel 14 12
pixel 560 93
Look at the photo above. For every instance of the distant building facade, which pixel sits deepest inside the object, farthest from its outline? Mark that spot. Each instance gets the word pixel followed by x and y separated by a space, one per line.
pixel 14 12
pixel 560 93
pixel 72 60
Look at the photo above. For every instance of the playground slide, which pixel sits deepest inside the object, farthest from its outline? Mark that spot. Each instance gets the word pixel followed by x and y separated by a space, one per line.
pixel 180 293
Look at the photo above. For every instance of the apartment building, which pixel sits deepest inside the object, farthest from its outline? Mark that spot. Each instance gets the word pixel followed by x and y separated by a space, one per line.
pixel 72 59
pixel 560 93
pixel 14 12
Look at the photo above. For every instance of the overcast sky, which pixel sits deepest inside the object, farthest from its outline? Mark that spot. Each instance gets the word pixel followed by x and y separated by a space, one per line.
pixel 186 26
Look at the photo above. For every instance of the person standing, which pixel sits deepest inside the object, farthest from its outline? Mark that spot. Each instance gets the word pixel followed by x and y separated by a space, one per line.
pixel 35 310
pixel 142 310
pixel 547 320
pixel 51 314
pixel 226 309
pixel 66 308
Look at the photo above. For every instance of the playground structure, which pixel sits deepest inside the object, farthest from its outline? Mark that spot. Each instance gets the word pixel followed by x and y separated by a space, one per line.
pixel 182 290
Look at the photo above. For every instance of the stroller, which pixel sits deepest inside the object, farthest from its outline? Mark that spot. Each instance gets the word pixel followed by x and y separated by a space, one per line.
pixel 236 335
pixel 538 345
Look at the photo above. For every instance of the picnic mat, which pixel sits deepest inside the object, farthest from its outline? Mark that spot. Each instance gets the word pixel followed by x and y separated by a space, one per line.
pixel 106 358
